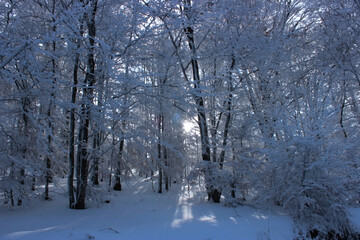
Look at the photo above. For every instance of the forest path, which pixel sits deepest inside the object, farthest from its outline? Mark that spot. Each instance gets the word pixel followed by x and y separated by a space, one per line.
pixel 138 212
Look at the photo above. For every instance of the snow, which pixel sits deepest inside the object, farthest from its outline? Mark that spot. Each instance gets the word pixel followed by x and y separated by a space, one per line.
pixel 138 212
pixel 355 216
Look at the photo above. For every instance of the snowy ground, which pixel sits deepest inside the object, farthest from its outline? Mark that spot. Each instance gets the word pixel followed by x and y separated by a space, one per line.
pixel 139 213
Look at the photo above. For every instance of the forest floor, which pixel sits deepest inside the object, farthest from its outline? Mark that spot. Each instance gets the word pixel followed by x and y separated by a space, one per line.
pixel 138 212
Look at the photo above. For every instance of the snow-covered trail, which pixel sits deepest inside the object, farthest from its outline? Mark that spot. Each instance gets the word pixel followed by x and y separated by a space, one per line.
pixel 139 213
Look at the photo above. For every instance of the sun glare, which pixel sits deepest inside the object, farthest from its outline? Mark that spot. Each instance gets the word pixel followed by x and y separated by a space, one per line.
pixel 188 126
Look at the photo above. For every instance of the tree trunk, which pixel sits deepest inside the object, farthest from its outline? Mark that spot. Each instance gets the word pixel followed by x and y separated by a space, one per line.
pixel 200 103
pixel 25 105
pixel 166 170
pixel 72 134
pixel 98 135
pixel 160 179
pixel 48 177
pixel 117 184
pixel 341 121
pixel 95 156
pixel 82 162
pixel 71 156
pixel 228 115
pixel 86 107
pixel 160 160
pixel 200 107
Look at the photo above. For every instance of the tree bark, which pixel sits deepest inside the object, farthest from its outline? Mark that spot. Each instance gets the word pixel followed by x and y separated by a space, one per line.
pixel 160 160
pixel 98 136
pixel 95 156
pixel 86 107
pixel 228 115
pixel 71 156
pixel 72 133
pixel 48 177
pixel 166 169
pixel 117 184
pixel 213 193
pixel 199 100
pixel 341 121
